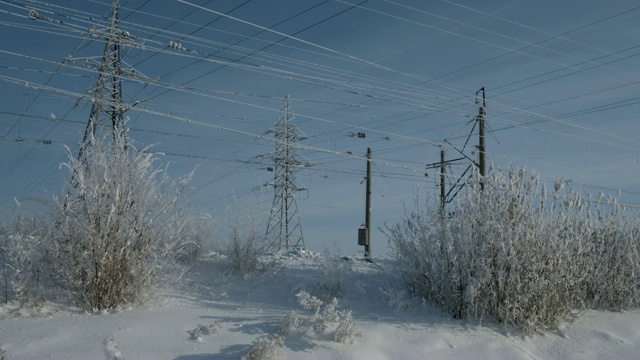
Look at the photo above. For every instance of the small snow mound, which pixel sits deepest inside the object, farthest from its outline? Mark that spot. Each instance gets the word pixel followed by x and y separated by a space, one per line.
pixel 302 253
pixel 199 332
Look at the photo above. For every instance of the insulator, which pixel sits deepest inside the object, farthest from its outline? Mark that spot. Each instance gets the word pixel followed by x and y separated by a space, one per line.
pixel 176 45
pixel 34 15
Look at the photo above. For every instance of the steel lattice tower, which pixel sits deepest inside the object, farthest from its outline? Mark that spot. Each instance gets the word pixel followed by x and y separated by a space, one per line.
pixel 108 105
pixel 284 228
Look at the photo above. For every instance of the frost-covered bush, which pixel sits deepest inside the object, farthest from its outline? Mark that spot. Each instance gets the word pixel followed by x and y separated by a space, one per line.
pixel 326 316
pixel 397 299
pixel 310 303
pixel 333 269
pixel 271 347
pixel 118 226
pixel 512 253
pixel 19 267
pixel 346 331
pixel 265 348
pixel 21 263
pixel 289 323
pixel 201 230
pixel 243 251
pixel 245 242
pixel 611 257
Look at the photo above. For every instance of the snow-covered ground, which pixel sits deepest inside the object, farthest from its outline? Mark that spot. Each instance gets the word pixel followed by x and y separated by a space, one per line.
pixel 217 316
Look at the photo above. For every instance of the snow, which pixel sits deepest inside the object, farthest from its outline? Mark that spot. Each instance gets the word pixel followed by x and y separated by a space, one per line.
pixel 213 315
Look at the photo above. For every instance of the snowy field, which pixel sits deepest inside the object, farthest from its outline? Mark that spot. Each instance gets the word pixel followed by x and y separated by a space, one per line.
pixel 232 311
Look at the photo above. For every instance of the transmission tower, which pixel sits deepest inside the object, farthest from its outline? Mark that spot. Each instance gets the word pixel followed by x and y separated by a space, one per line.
pixel 284 229
pixel 108 105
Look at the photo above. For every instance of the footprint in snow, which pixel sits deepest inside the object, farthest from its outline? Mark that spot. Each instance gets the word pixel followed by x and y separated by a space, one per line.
pixel 111 349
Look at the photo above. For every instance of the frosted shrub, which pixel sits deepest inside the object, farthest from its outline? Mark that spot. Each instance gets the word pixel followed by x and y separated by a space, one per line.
pixel 333 269
pixel 396 299
pixel 327 317
pixel 509 253
pixel 245 243
pixel 612 249
pixel 289 323
pixel 201 230
pixel 346 330
pixel 271 347
pixel 118 225
pixel 243 251
pixel 21 262
pixel 308 302
pixel 265 348
pixel 19 267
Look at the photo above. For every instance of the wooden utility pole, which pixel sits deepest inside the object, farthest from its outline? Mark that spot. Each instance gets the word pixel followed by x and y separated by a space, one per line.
pixel 443 193
pixel 367 218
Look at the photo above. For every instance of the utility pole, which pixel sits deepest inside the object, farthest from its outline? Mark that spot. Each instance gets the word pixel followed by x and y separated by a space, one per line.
pixel 481 118
pixel 443 174
pixel 367 218
pixel 479 164
pixel 443 192
pixel 284 229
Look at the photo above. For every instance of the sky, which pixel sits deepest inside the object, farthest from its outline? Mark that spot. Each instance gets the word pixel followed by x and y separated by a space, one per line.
pixel 560 80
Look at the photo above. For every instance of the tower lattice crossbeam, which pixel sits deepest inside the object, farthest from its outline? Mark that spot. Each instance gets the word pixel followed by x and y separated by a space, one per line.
pixel 284 229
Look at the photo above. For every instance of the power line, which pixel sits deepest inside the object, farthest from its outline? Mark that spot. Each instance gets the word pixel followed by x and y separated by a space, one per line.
pixel 535 45
pixel 552 36
pixel 392 119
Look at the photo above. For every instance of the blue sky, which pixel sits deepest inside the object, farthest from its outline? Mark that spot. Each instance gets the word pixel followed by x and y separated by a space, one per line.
pixel 560 78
